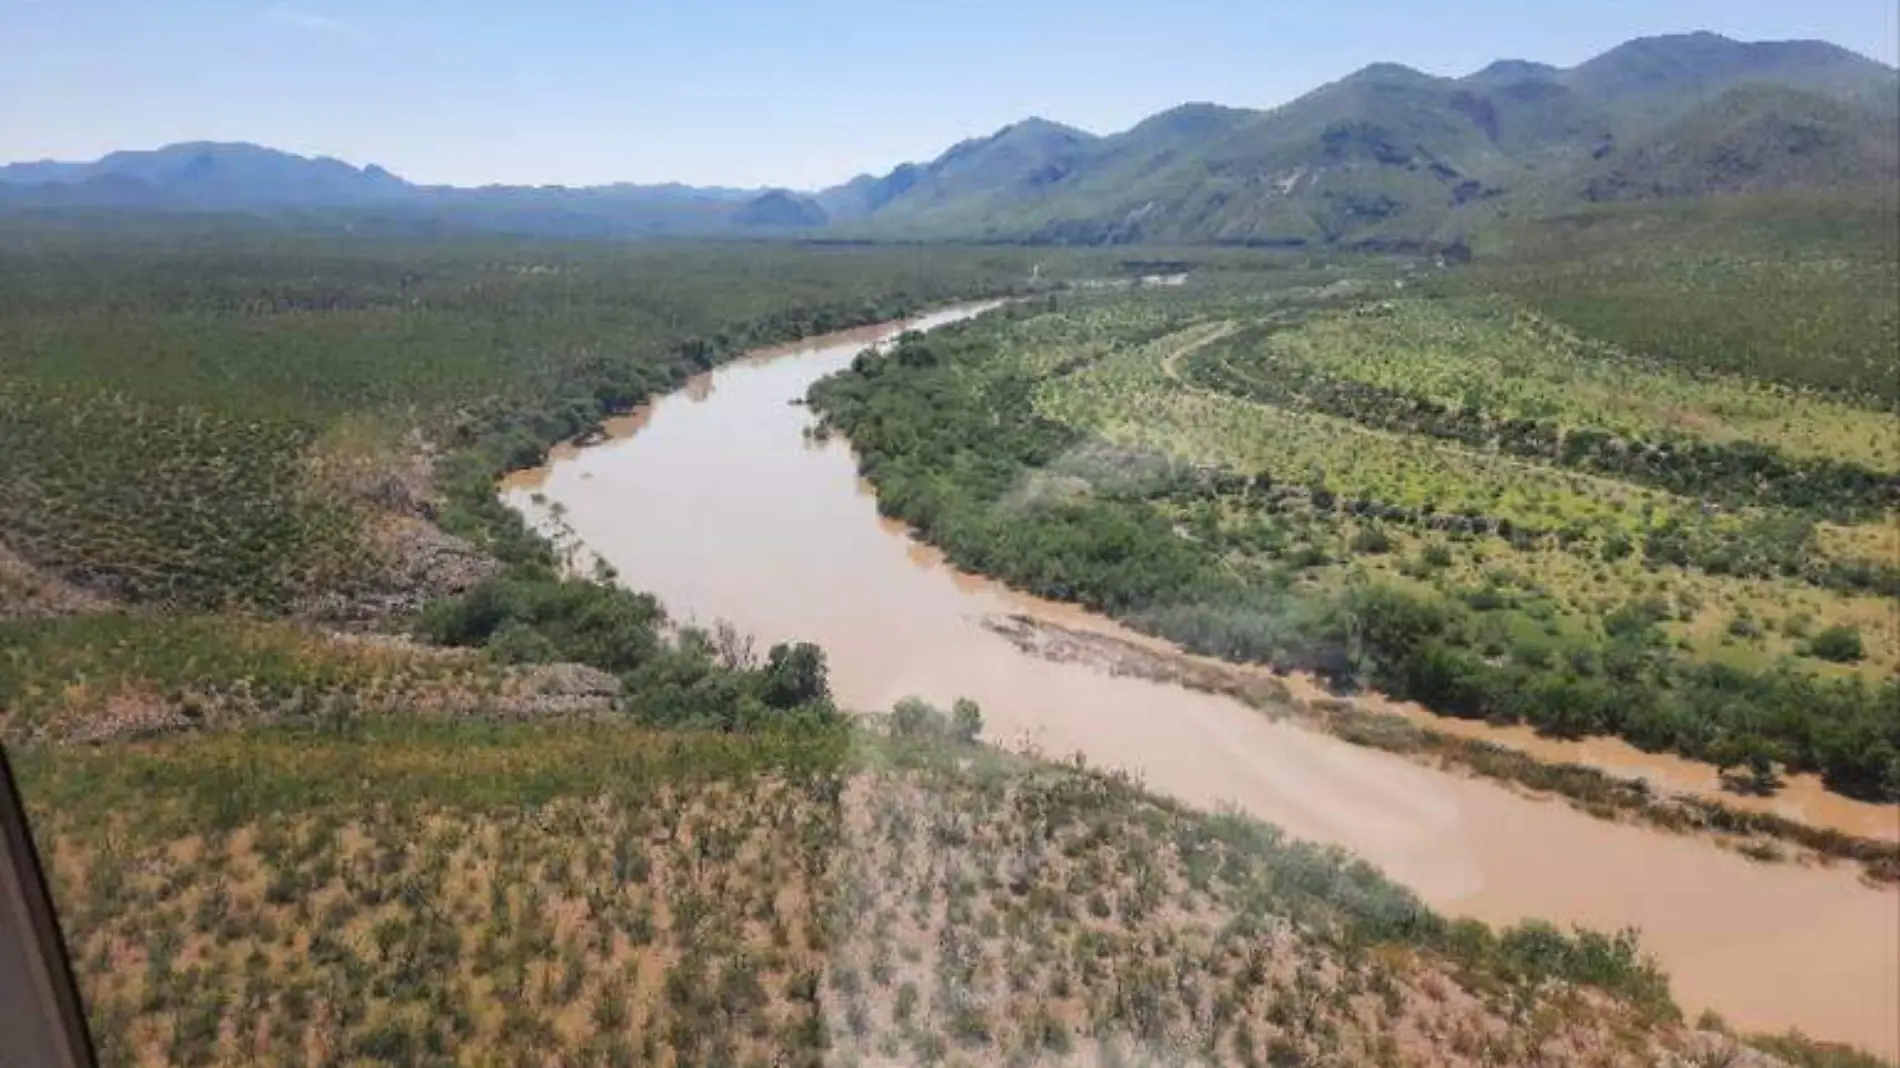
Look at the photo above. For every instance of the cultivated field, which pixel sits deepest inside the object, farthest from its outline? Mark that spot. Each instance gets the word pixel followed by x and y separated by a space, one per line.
pixel 1449 496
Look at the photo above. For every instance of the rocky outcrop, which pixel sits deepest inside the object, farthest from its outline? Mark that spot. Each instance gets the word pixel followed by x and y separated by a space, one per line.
pixel 26 592
pixel 414 563
pixel 558 690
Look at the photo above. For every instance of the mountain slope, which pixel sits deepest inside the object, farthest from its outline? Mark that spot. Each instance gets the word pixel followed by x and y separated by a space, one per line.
pixel 1381 154
pixel 1342 161
pixel 971 178
pixel 780 208
pixel 1388 157
pixel 1753 139
pixel 1392 157
pixel 1659 75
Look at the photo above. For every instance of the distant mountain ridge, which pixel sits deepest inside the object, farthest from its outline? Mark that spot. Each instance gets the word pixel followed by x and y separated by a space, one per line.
pixel 1385 157
pixel 214 174
pixel 243 177
pixel 1390 156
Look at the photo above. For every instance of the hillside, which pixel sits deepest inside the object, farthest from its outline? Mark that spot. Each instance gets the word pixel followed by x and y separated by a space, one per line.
pixel 1792 287
pixel 1387 157
pixel 1656 75
pixel 249 420
pixel 1390 156
pixel 1753 139
pixel 1325 491
pixel 969 181
pixel 607 894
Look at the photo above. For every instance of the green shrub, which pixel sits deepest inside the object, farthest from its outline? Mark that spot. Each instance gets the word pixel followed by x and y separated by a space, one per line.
pixel 1840 644
pixel 916 718
pixel 966 720
pixel 603 626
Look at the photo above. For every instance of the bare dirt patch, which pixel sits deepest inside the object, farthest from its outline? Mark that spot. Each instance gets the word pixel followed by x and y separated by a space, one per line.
pixel 26 592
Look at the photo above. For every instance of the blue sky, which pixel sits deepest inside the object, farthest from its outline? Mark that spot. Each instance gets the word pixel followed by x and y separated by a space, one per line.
pixel 747 92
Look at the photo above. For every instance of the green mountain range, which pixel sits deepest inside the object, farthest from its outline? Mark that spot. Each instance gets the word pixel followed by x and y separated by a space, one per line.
pixel 1392 156
pixel 1754 138
pixel 1388 157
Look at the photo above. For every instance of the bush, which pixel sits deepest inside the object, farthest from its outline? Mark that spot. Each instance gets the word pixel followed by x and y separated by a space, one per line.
pixel 1840 644
pixel 966 721
pixel 539 619
pixel 913 717
pixel 515 642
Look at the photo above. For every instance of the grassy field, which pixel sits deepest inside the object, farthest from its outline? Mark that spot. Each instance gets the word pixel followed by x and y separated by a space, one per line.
pixel 1456 498
pixel 602 894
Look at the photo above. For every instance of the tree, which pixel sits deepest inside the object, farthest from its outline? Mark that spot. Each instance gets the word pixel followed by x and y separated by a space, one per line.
pixel 515 642
pixel 1385 625
pixel 966 721
pixel 1759 755
pixel 795 675
pixel 1372 540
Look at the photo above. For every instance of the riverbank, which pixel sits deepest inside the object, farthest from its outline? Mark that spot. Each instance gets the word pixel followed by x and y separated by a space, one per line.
pixel 1759 835
pixel 1049 447
pixel 721 507
pixel 1800 821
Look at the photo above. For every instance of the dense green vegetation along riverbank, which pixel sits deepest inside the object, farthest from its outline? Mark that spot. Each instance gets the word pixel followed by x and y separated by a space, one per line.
pixel 1445 495
pixel 272 434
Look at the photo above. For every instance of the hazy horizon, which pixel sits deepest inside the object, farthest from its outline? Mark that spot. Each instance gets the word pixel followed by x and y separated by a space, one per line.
pixel 738 92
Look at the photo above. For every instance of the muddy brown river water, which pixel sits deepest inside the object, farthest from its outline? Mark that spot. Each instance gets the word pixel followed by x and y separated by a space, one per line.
pixel 714 500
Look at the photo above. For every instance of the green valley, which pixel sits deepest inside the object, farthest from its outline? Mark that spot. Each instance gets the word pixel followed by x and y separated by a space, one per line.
pixel 1352 450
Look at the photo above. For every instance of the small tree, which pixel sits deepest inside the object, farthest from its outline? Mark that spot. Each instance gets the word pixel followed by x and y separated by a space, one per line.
pixel 795 675
pixel 966 721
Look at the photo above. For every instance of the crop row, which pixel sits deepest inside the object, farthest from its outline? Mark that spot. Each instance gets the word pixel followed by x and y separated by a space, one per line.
pixel 1085 470
pixel 1737 473
pixel 1496 357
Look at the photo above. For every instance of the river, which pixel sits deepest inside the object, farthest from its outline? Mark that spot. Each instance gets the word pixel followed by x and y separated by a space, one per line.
pixel 715 500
